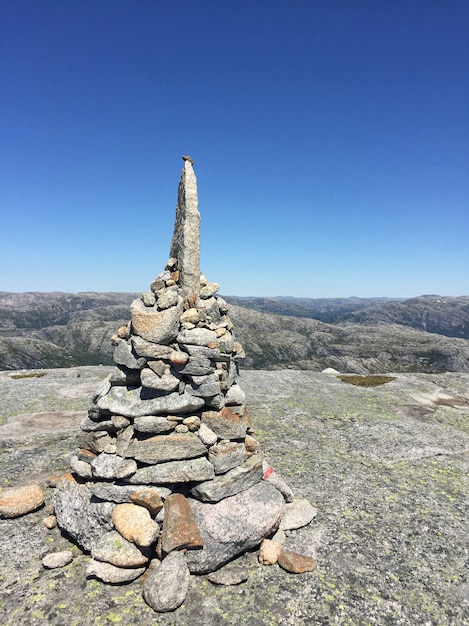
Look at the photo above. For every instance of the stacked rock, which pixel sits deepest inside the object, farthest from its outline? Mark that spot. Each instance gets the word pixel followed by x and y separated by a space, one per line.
pixel 168 468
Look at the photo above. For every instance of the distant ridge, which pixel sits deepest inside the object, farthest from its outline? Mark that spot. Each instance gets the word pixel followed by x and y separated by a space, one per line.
pixel 363 335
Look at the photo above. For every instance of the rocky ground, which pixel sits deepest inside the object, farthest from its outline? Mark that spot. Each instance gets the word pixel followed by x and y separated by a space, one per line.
pixel 387 468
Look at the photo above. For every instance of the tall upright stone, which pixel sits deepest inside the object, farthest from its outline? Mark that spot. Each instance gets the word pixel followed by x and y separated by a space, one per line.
pixel 185 246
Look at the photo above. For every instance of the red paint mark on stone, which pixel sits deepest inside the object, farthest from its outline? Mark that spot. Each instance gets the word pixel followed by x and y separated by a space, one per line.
pixel 268 472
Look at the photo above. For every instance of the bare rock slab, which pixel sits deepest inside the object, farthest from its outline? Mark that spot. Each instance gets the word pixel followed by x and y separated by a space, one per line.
pixel 166 586
pixel 16 501
pixel 179 526
pixel 234 525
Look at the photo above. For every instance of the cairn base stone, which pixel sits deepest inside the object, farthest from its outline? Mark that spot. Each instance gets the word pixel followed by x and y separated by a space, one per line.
pixel 234 525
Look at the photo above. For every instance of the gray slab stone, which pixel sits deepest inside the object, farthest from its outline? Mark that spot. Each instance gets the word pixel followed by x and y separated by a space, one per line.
pixel 135 403
pixel 155 424
pixel 227 455
pixel 235 480
pixel 110 466
pixel 234 525
pixel 174 472
pixel 163 448
pixel 297 514
pixel 197 366
pixel 197 336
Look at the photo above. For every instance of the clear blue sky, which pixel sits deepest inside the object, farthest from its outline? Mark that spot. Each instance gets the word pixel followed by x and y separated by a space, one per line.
pixel 330 139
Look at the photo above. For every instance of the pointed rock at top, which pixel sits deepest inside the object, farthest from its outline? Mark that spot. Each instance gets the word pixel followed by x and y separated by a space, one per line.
pixel 185 246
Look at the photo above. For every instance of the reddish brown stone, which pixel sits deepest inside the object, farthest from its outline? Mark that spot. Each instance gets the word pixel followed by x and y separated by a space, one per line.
pixel 148 498
pixel 179 526
pixel 296 563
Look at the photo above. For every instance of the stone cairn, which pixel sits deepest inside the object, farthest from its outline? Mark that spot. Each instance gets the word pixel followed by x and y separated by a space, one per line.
pixel 169 479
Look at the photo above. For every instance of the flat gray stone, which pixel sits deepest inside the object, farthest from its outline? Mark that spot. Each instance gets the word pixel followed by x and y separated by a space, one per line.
pixel 54 560
pixel 81 468
pixel 163 448
pixel 174 472
pixel 297 514
pixel 197 366
pixel 112 548
pixel 135 403
pixel 166 586
pixel 237 479
pixel 227 455
pixel 155 424
pixel 112 493
pixel 150 350
pixel 209 353
pixel 165 382
pixel 88 425
pixel 234 525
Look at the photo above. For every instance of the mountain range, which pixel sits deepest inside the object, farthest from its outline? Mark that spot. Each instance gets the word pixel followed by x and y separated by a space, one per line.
pixel 361 335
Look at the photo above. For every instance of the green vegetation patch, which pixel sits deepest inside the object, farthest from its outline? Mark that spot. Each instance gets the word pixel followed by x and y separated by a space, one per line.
pixel 28 375
pixel 366 381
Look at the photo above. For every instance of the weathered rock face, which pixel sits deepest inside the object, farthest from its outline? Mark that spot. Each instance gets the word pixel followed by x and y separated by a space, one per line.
pixel 168 461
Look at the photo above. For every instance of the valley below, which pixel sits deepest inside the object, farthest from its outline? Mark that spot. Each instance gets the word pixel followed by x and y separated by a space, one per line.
pixel 429 334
